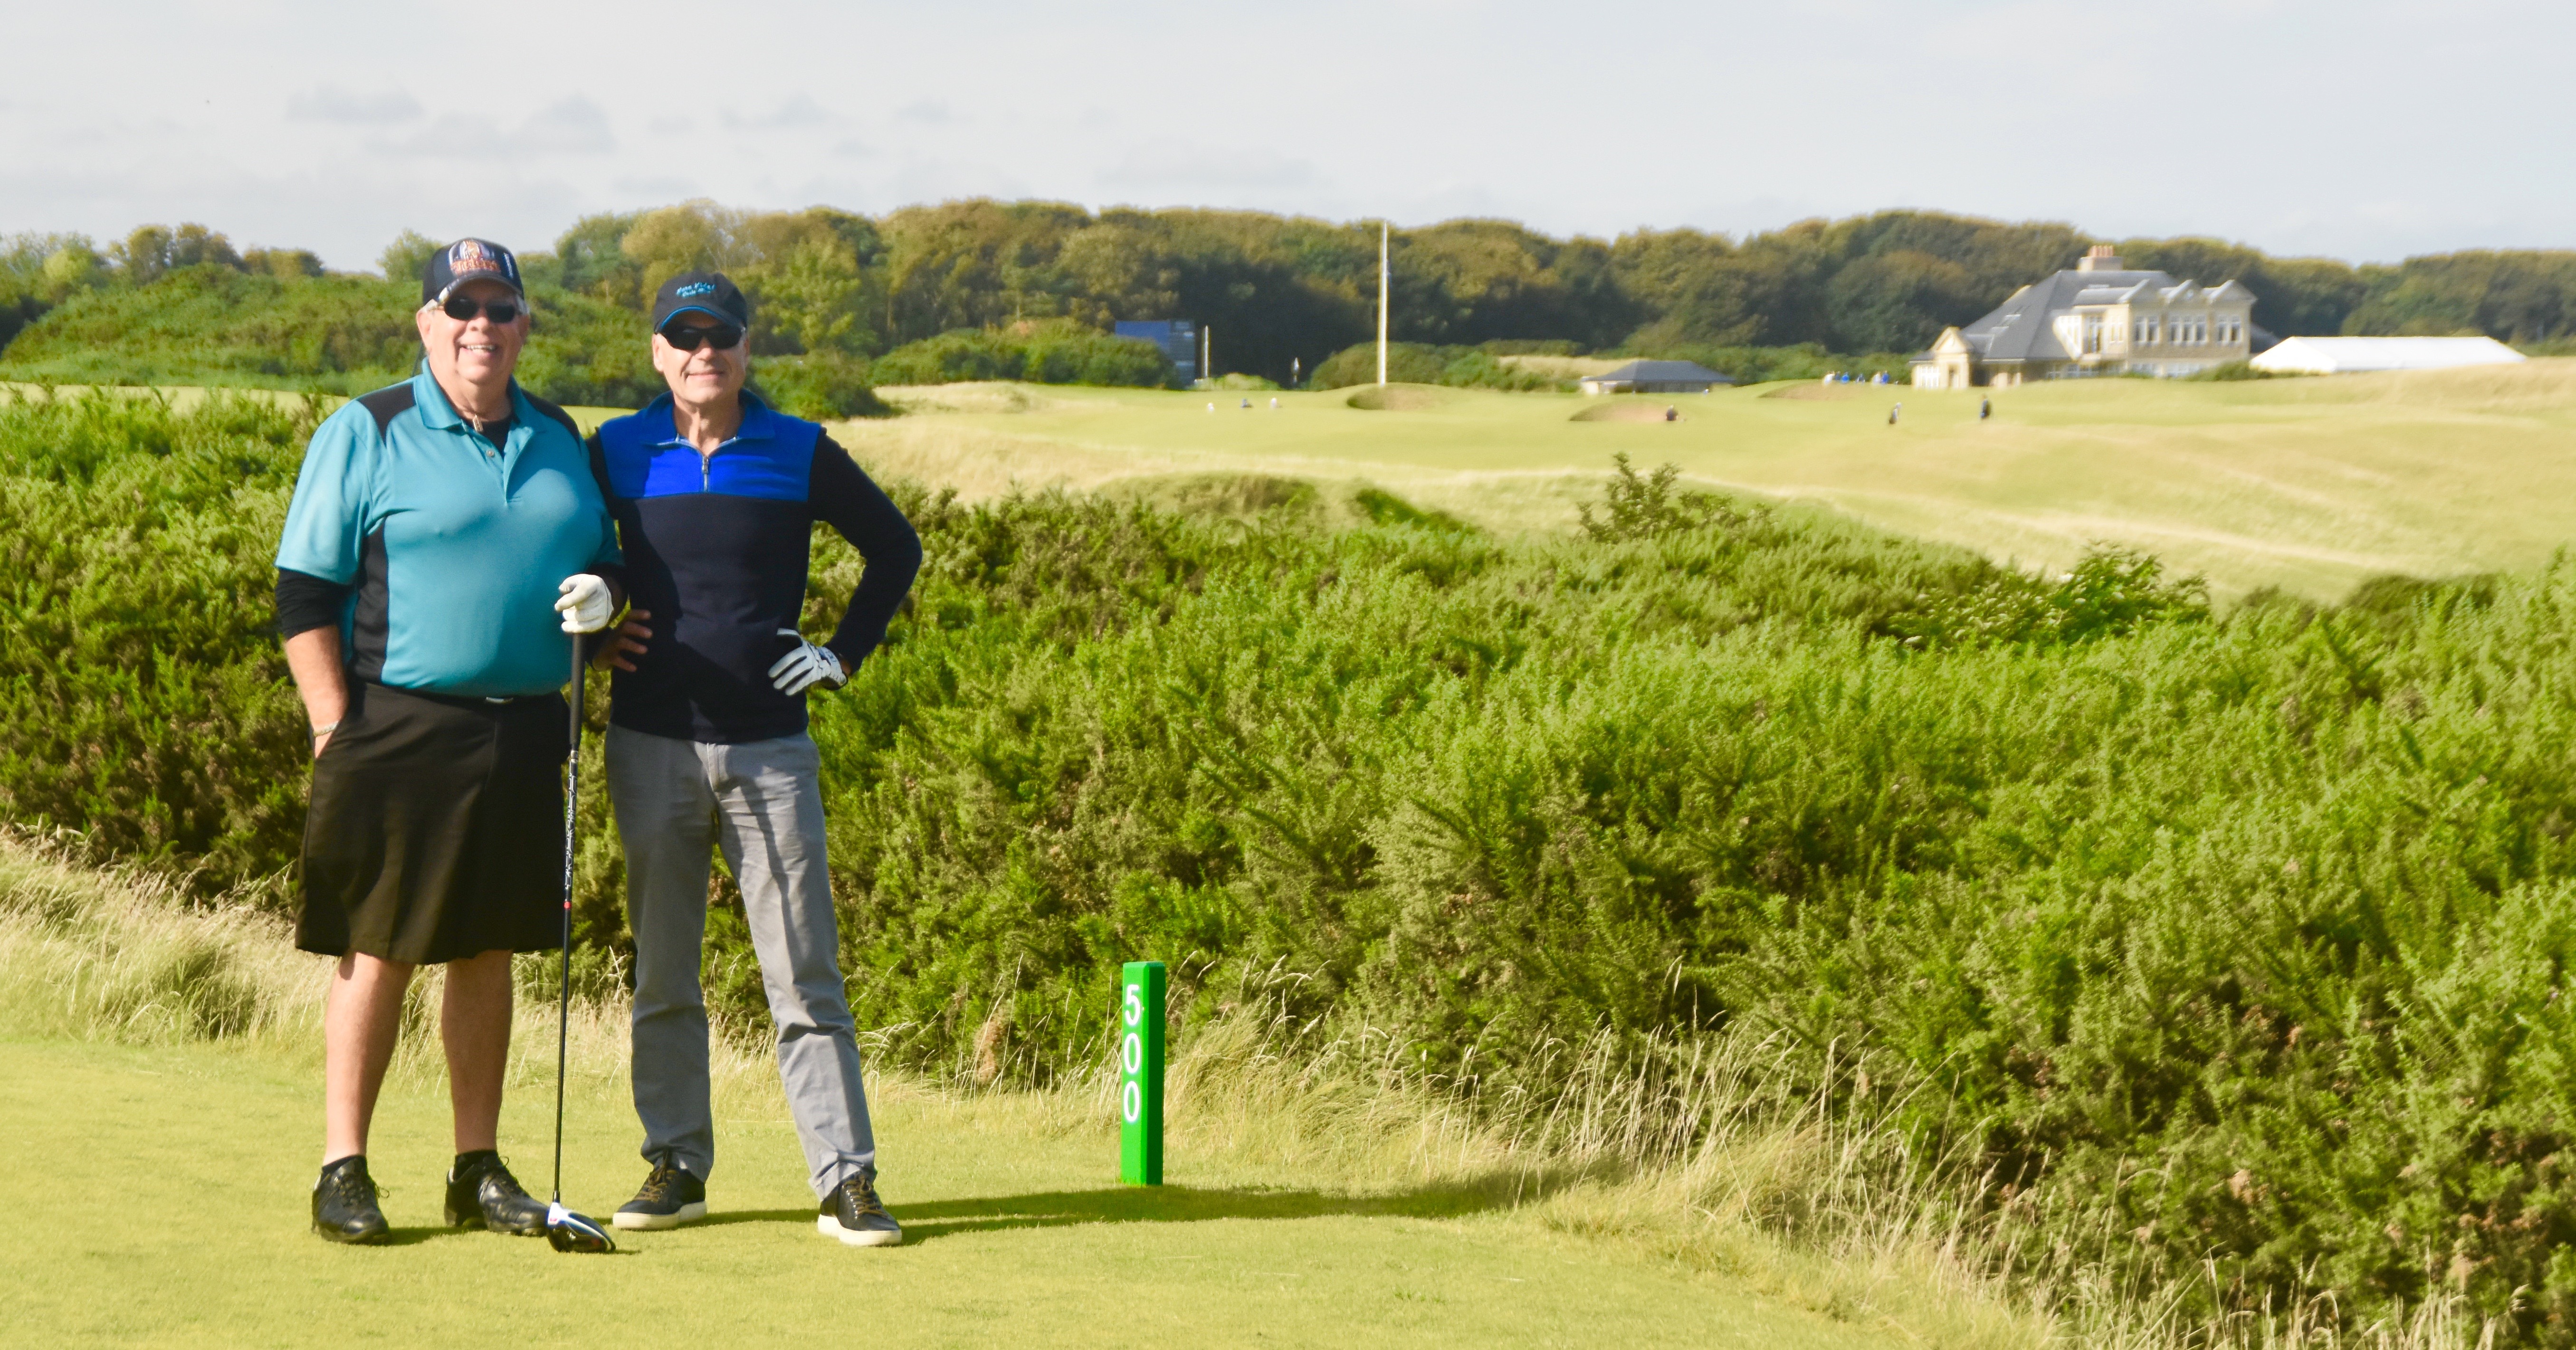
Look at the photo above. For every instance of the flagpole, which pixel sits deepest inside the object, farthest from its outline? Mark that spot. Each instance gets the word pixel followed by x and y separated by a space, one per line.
pixel 1383 275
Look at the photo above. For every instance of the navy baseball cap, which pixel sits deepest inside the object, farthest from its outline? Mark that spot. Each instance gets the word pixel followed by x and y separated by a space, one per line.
pixel 468 260
pixel 710 293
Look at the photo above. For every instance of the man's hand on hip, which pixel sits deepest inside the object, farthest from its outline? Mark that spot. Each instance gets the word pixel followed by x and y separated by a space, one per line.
pixel 809 665
pixel 620 651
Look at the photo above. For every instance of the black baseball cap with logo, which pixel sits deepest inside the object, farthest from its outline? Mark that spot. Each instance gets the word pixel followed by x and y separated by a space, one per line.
pixel 468 260
pixel 710 293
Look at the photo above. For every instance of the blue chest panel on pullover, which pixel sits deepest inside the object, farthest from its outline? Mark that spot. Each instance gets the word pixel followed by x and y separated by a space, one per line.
pixel 716 549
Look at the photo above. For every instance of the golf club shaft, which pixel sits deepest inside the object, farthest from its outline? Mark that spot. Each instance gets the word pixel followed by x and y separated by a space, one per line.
pixel 563 997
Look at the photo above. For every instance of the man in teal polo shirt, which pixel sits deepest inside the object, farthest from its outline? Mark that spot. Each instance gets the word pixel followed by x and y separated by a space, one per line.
pixel 445 541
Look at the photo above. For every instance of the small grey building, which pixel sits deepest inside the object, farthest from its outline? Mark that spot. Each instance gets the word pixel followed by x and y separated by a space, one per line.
pixel 1656 377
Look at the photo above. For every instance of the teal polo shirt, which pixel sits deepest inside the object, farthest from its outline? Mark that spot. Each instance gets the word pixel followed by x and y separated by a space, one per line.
pixel 454 549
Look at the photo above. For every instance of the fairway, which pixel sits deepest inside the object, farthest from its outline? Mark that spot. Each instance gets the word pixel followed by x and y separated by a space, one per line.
pixel 170 1210
pixel 2307 484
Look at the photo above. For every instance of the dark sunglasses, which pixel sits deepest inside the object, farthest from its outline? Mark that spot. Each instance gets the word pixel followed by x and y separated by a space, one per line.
pixel 689 339
pixel 463 308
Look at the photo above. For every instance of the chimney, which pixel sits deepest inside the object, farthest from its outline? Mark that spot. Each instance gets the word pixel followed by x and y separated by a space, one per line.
pixel 2099 258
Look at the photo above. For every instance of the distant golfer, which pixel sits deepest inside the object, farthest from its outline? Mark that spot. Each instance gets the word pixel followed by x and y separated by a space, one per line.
pixel 445 536
pixel 716 496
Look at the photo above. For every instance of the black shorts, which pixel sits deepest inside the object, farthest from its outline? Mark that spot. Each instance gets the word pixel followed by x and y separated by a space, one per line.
pixel 435 831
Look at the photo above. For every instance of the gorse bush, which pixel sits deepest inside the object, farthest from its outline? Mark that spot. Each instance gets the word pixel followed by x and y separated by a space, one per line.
pixel 1416 363
pixel 1804 361
pixel 1635 506
pixel 140 676
pixel 2230 950
pixel 1047 354
pixel 210 324
pixel 820 387
pixel 213 325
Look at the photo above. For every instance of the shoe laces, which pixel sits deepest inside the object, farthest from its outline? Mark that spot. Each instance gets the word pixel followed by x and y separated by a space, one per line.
pixel 497 1173
pixel 658 1182
pixel 862 1192
pixel 500 1177
pixel 351 1186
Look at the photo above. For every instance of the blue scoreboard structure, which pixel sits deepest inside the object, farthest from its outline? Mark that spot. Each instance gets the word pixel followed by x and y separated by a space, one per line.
pixel 1179 339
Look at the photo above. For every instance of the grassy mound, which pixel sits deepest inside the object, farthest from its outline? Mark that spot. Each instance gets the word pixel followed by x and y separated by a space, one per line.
pixel 213 326
pixel 1624 409
pixel 1812 391
pixel 1399 398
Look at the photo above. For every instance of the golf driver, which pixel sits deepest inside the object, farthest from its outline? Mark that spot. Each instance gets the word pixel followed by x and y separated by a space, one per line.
pixel 567 1231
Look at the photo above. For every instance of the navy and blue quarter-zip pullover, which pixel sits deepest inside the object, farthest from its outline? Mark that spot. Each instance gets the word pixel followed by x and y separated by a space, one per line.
pixel 716 548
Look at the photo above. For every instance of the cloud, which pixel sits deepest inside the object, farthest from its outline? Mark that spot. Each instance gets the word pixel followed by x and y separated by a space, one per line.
pixel 854 148
pixel 927 111
pixel 799 110
pixel 330 103
pixel 658 188
pixel 575 126
pixel 1200 167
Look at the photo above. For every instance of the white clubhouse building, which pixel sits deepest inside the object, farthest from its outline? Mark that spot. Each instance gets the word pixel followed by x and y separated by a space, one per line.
pixel 2096 319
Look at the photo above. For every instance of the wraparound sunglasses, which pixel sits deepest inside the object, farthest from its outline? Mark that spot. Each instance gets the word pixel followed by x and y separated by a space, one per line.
pixel 463 308
pixel 689 339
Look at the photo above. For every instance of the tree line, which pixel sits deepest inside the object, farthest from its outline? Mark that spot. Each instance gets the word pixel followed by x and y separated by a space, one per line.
pixel 1285 293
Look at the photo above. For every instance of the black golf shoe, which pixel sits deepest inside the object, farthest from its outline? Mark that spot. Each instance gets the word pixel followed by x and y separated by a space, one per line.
pixel 481 1190
pixel 855 1215
pixel 344 1203
pixel 670 1197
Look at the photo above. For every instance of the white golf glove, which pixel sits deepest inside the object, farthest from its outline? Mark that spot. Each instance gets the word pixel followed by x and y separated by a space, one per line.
pixel 806 667
pixel 585 605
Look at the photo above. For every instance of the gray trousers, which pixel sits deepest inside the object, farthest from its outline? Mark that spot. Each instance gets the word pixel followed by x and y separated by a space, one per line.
pixel 762 803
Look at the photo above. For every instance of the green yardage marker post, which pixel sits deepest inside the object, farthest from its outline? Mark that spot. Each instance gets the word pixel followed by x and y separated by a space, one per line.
pixel 1140 1073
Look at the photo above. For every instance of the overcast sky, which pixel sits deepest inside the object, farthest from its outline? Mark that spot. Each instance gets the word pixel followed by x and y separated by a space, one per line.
pixel 2360 129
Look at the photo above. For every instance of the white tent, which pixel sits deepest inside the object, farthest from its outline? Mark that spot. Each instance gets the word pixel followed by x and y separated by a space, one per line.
pixel 2344 355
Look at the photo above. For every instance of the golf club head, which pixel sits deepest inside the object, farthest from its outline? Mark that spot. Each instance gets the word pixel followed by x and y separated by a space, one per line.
pixel 570 1232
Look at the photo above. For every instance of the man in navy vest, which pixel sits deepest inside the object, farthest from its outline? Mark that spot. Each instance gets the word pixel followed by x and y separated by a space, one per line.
pixel 715 496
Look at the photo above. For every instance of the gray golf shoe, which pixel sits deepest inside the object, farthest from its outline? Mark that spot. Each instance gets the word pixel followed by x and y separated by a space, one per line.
pixel 671 1196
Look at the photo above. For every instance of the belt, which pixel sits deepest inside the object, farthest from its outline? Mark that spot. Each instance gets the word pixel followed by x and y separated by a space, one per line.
pixel 461 700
